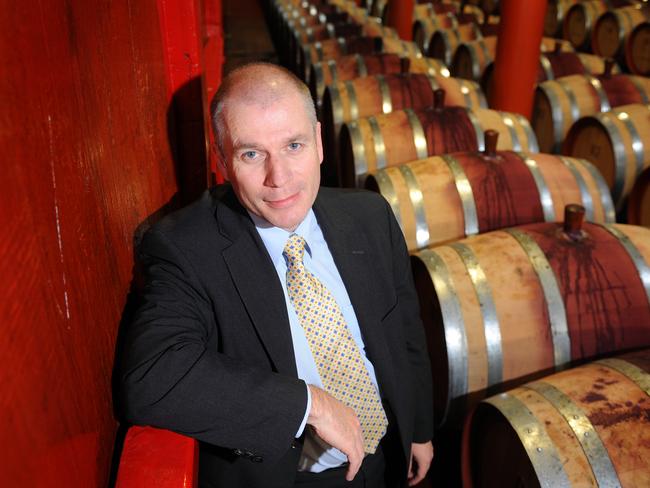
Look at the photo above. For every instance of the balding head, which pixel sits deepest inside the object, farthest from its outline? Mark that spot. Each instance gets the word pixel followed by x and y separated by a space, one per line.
pixel 260 84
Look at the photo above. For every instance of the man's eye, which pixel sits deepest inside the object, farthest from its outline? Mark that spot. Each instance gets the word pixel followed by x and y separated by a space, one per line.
pixel 249 155
pixel 295 146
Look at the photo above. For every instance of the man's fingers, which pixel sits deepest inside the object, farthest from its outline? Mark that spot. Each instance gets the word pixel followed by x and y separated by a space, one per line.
pixel 355 458
pixel 353 468
pixel 421 457
pixel 417 476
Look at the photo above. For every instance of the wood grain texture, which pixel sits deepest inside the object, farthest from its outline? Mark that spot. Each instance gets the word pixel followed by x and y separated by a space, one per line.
pixel 86 129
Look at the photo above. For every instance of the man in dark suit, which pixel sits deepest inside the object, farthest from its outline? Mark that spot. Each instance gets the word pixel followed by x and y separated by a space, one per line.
pixel 219 349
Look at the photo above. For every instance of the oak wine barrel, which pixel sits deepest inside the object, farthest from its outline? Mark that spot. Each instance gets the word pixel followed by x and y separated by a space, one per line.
pixel 351 67
pixel 443 43
pixel 320 32
pixel 471 58
pixel 637 50
pixel 434 67
pixel 403 48
pixel 424 27
pixel 613 26
pixel 587 426
pixel 300 19
pixel 502 308
pixel 579 21
pixel 337 48
pixel 488 7
pixel 617 142
pixel 381 94
pixel 559 103
pixel 558 64
pixel 376 142
pixel 555 12
pixel 362 97
pixel 445 198
pixel 373 27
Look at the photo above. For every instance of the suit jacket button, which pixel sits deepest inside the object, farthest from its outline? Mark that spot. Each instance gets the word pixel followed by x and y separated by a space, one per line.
pixel 257 459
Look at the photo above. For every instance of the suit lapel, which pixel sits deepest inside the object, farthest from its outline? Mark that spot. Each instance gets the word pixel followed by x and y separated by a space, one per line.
pixel 353 259
pixel 257 283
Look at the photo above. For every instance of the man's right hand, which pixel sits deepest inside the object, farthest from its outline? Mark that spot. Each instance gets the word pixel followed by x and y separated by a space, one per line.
pixel 338 425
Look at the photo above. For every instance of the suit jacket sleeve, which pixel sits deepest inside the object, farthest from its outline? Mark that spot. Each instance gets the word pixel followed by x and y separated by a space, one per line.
pixel 416 343
pixel 175 378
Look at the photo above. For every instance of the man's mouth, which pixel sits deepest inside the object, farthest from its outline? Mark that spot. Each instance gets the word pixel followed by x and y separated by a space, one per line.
pixel 282 202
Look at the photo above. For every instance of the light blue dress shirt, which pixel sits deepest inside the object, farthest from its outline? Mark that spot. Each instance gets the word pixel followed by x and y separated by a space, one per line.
pixel 317 455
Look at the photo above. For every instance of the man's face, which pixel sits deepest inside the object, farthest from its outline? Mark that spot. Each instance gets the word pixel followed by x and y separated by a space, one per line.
pixel 272 158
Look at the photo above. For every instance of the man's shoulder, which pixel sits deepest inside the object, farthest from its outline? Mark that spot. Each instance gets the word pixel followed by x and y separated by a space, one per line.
pixel 199 217
pixel 352 200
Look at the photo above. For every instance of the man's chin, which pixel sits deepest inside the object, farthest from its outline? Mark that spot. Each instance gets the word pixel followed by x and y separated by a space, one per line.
pixel 286 222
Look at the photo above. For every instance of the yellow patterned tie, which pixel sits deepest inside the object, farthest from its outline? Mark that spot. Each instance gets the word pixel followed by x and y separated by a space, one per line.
pixel 338 359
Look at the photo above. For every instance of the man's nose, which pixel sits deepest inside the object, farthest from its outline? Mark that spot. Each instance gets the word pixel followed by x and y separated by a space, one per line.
pixel 278 172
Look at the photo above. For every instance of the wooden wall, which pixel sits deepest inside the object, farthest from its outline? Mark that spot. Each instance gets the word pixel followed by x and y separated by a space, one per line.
pixel 97 127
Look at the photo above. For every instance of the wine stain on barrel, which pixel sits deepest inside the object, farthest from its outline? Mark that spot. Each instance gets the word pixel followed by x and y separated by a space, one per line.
pixel 504 190
pixel 608 417
pixel 448 130
pixel 594 291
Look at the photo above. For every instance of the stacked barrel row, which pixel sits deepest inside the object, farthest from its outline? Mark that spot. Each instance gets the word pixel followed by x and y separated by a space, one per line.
pixel 510 289
pixel 611 28
pixel 604 118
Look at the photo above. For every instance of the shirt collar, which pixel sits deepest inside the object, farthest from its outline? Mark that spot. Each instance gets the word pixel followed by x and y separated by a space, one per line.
pixel 275 238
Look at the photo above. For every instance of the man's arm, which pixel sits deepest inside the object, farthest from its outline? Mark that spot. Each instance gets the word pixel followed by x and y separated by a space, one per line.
pixel 173 376
pixel 416 343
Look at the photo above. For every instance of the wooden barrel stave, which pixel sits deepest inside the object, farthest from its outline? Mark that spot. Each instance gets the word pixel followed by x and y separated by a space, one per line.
pixel 638 205
pixel 557 278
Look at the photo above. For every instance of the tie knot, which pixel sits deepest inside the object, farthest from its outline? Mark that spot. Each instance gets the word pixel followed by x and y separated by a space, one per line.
pixel 294 249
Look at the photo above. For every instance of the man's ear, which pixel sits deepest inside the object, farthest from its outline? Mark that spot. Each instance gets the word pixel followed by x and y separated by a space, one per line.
pixel 221 165
pixel 319 143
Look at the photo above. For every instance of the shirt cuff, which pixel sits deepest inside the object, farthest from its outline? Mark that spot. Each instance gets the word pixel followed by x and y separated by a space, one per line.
pixel 307 410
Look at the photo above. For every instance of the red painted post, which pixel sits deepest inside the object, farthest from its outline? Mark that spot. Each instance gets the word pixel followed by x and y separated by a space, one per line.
pixel 400 16
pixel 518 48
pixel 213 53
pixel 181 24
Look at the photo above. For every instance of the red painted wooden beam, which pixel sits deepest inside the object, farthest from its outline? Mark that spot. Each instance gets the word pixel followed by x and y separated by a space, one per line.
pixel 400 16
pixel 517 58
pixel 157 457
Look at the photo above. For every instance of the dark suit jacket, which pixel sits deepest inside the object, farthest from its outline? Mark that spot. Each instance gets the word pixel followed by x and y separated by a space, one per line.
pixel 210 353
